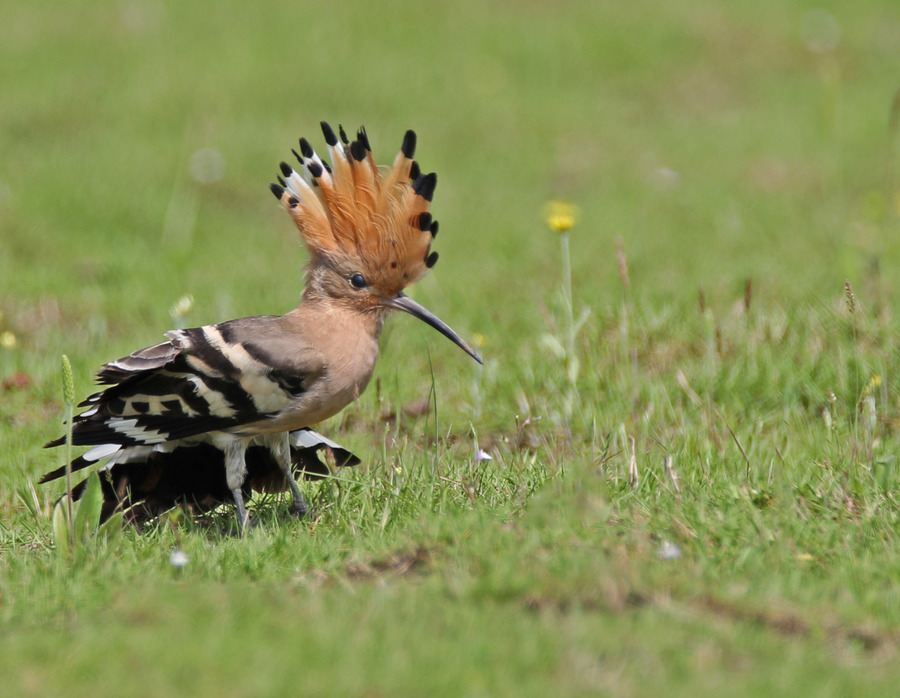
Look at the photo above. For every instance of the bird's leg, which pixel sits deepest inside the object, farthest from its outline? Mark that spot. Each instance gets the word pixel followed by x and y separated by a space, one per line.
pixel 243 514
pixel 281 449
pixel 235 472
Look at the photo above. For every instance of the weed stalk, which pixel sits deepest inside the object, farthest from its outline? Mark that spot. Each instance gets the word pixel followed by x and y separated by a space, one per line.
pixel 68 381
pixel 560 219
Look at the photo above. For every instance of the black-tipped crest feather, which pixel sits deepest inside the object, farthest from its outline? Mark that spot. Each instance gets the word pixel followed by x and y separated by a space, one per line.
pixel 409 144
pixel 363 137
pixel 367 218
pixel 328 132
pixel 358 151
pixel 424 186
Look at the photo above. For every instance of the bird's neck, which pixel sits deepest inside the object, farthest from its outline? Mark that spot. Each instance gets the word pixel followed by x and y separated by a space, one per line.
pixel 323 314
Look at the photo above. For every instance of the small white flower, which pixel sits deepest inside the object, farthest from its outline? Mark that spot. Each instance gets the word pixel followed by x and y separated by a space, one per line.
pixel 481 455
pixel 178 558
pixel 668 551
pixel 182 306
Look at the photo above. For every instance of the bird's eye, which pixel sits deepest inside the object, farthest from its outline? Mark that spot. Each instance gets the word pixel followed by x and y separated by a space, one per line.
pixel 358 281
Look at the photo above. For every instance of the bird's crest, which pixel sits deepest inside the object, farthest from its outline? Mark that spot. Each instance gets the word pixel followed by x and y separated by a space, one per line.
pixel 351 212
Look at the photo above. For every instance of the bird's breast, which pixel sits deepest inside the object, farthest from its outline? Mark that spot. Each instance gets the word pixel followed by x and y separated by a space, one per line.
pixel 344 377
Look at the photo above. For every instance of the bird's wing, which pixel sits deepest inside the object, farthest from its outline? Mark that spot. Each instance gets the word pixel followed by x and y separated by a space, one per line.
pixel 305 447
pixel 203 379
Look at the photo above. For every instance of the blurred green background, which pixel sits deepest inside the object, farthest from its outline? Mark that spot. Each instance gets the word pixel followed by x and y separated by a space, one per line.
pixel 719 142
pixel 705 143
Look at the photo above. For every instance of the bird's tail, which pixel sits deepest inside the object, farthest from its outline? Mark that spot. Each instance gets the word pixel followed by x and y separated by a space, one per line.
pixel 146 481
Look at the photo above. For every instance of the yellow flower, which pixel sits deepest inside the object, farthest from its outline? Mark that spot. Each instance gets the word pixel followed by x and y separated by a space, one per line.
pixel 7 340
pixel 478 340
pixel 874 382
pixel 560 215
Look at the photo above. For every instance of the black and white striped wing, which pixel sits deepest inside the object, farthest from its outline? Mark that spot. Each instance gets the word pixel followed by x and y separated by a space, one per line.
pixel 203 379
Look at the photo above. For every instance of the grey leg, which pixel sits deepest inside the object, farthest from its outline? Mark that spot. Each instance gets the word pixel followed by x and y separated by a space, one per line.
pixel 243 514
pixel 235 472
pixel 281 449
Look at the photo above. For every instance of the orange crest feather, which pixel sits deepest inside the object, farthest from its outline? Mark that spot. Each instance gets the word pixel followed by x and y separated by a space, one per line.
pixel 353 213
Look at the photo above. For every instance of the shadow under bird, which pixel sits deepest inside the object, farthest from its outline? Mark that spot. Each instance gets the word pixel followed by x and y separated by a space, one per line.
pixel 219 411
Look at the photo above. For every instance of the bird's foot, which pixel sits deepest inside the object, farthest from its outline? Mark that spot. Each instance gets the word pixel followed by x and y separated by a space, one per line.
pixel 300 509
pixel 243 516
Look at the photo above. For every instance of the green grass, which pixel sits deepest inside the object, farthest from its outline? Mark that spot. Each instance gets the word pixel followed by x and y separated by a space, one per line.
pixel 754 427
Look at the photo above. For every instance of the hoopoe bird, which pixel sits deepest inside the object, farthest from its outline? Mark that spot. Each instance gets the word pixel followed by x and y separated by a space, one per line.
pixel 227 408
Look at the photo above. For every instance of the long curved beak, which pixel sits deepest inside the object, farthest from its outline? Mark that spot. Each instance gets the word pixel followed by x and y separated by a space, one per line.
pixel 408 305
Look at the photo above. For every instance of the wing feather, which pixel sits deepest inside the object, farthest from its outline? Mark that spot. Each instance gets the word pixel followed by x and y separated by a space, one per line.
pixel 204 379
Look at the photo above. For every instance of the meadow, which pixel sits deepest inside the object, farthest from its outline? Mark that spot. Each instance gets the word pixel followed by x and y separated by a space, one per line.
pixel 689 402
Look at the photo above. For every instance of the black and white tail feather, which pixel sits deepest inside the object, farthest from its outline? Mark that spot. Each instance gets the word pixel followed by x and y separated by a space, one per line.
pixel 146 481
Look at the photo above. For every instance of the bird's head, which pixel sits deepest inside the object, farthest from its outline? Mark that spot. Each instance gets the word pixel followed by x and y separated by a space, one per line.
pixel 369 233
